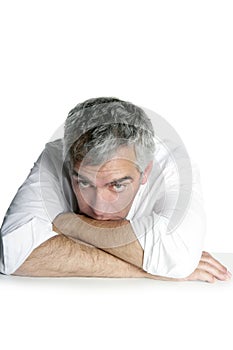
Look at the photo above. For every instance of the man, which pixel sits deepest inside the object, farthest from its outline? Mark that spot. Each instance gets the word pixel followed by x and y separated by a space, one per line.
pixel 108 201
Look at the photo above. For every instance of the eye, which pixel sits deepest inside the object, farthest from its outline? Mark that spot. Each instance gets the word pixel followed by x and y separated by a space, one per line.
pixel 83 184
pixel 117 187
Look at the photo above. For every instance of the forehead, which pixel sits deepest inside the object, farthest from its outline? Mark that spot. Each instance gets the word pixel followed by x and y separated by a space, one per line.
pixel 123 163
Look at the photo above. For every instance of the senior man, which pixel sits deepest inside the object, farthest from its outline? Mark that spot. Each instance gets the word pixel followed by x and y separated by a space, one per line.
pixel 109 200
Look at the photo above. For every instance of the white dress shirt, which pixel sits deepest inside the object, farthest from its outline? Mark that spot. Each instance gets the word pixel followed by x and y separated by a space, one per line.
pixel 167 213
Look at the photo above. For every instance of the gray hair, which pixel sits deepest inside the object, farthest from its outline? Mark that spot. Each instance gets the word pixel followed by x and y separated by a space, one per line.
pixel 96 128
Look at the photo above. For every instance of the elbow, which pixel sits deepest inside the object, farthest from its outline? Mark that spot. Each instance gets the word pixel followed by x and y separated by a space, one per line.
pixel 6 268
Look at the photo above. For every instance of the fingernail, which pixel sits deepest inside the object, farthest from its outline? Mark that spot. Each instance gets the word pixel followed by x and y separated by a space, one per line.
pixel 229 274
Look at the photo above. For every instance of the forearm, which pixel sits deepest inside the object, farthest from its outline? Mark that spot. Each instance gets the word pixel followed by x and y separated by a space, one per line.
pixel 114 237
pixel 61 257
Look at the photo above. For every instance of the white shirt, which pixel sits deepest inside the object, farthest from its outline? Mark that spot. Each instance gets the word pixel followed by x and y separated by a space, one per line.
pixel 167 214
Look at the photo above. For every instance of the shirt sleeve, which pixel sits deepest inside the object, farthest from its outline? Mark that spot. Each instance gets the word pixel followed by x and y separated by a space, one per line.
pixel 28 221
pixel 173 235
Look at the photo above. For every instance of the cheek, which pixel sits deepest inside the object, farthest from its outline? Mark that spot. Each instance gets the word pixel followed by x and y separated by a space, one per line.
pixel 76 191
pixel 84 197
pixel 82 203
pixel 124 200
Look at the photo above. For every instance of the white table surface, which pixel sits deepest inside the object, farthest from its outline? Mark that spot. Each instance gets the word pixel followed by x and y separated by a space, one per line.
pixel 87 313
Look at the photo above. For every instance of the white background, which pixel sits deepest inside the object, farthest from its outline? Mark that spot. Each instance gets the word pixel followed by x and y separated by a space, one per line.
pixel 173 57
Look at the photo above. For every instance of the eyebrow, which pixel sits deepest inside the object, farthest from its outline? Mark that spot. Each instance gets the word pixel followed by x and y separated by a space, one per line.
pixel 122 179
pixel 75 173
pixel 82 177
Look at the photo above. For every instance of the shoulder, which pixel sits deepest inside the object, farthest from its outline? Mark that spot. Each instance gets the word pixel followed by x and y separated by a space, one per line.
pixel 54 147
pixel 52 156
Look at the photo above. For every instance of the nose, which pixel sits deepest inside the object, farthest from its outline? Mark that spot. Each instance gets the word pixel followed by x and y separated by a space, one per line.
pixel 101 201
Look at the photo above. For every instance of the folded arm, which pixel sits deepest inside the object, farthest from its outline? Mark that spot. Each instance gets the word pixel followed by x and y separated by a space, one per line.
pixel 114 237
pixel 118 239
pixel 60 256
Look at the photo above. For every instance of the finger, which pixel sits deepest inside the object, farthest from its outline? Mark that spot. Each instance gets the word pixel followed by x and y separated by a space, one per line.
pixel 213 270
pixel 211 260
pixel 201 275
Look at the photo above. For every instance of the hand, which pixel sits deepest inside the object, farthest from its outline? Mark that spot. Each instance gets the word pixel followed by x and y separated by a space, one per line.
pixel 209 270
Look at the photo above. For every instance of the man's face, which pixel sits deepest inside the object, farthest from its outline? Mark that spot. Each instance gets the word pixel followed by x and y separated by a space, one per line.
pixel 106 191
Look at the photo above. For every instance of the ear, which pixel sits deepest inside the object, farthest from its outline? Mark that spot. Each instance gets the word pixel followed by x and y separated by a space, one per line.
pixel 146 172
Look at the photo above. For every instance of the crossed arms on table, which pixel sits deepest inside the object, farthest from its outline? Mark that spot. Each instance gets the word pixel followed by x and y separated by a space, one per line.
pixel 92 248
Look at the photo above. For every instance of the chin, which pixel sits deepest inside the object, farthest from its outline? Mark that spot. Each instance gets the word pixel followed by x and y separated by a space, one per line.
pixel 107 218
pixel 103 217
